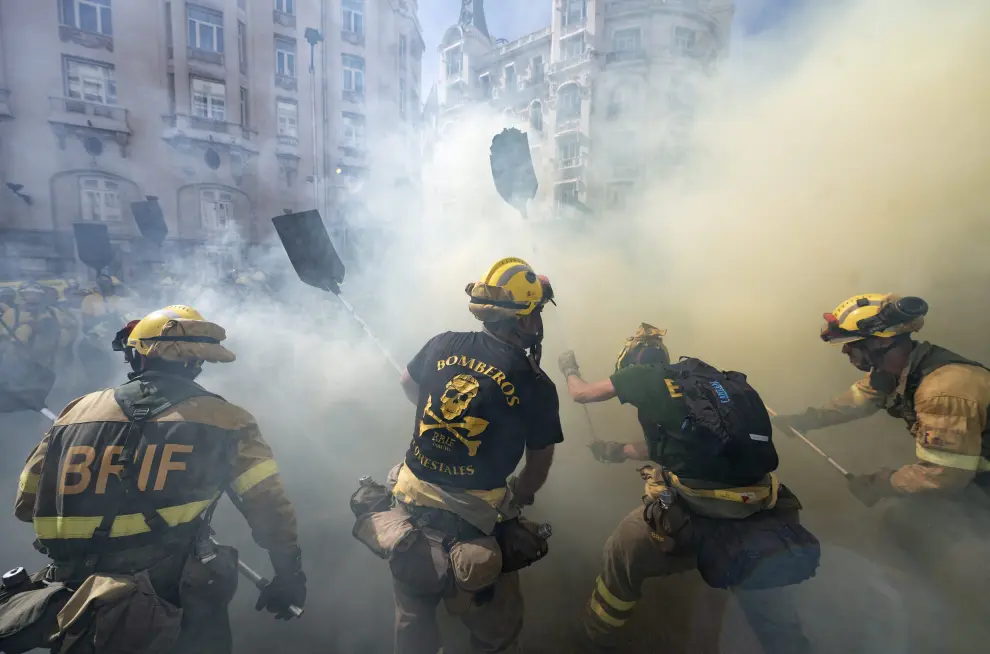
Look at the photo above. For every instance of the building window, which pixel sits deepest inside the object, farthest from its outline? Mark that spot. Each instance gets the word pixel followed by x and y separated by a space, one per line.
pixel 88 15
pixel 683 39
pixel 353 73
pixel 216 208
pixel 288 118
pixel 626 40
pixel 485 82
pixel 566 194
pixel 285 57
pixel 452 58
pixel 572 48
pixel 568 103
pixel 205 29
pixel 89 81
pixel 244 107
pixel 402 51
pixel 242 45
pixel 170 80
pixel 99 199
pixel 616 195
pixel 286 6
pixel 536 75
pixel 568 151
pixel 573 12
pixel 402 97
pixel 510 77
pixel 536 116
pixel 209 99
pixel 353 16
pixel 621 101
pixel 353 133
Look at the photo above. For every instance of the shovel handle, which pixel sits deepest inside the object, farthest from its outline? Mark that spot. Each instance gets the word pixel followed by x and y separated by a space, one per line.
pixel 818 450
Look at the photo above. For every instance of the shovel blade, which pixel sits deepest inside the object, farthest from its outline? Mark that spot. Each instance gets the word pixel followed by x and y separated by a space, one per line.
pixel 150 220
pixel 93 244
pixel 306 241
pixel 512 167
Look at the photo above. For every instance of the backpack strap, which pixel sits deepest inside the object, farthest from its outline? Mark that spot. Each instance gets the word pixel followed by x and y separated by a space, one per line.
pixel 138 413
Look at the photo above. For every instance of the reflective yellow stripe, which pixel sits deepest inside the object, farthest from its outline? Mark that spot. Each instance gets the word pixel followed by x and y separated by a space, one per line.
pixel 254 476
pixel 123 525
pixel 603 615
pixel 743 495
pixel 29 482
pixel 613 601
pixel 973 462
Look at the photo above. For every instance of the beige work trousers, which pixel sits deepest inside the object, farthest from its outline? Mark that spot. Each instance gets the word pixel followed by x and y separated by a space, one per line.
pixel 633 554
pixel 494 625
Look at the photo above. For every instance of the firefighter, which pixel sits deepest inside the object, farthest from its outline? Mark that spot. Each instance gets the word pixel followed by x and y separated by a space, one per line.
pixel 101 309
pixel 126 481
pixel 31 333
pixel 935 508
pixel 482 404
pixel 941 396
pixel 695 495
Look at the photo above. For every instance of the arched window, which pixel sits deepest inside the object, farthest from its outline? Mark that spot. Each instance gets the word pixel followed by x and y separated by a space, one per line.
pixel 99 198
pixel 568 102
pixel 536 115
pixel 216 208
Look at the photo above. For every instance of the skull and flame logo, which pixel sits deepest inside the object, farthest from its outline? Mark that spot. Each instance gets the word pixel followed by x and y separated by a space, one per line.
pixel 458 395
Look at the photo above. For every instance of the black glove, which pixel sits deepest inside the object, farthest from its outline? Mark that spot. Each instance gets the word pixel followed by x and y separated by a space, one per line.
pixel 567 362
pixel 798 421
pixel 608 451
pixel 282 592
pixel 870 489
pixel 287 588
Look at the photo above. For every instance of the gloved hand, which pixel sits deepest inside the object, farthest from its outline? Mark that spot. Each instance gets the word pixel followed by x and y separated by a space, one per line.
pixel 608 451
pixel 283 591
pixel 870 489
pixel 567 362
pixel 786 423
pixel 287 588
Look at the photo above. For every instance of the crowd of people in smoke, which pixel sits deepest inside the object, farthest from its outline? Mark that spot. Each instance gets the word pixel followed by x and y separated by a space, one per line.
pixel 55 333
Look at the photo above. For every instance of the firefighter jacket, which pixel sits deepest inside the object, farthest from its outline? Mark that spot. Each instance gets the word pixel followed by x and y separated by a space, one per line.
pixel 943 398
pixel 101 316
pixel 37 330
pixel 188 455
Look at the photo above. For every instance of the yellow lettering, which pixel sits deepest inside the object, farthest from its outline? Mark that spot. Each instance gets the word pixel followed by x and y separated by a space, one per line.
pixel 499 377
pixel 441 365
pixel 452 361
pixel 479 367
pixel 463 361
pixel 149 457
pixel 674 389
pixel 108 467
pixel 507 388
pixel 168 465
pixel 80 468
pixel 470 470
pixel 512 400
pixel 488 370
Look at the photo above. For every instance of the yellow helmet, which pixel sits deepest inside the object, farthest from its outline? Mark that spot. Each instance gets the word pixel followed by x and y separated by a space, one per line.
pixel 873 314
pixel 146 331
pixel 527 291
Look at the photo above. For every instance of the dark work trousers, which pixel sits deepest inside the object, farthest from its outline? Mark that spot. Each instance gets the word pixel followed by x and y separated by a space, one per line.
pixel 633 554
pixel 494 626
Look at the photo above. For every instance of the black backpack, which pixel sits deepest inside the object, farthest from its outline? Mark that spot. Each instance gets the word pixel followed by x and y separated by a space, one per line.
pixel 725 417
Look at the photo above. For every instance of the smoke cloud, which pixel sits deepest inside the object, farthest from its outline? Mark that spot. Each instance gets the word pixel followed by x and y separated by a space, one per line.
pixel 845 154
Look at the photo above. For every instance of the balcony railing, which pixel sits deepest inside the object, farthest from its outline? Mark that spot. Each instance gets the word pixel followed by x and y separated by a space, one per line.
pixel 571 61
pixel 92 109
pixel 288 139
pixel 283 19
pixel 287 82
pixel 616 56
pixel 208 56
pixel 186 122
pixel 355 97
pixel 354 38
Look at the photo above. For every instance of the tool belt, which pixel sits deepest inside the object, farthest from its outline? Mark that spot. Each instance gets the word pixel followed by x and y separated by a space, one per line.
pixel 766 549
pixel 435 551
pixel 28 614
